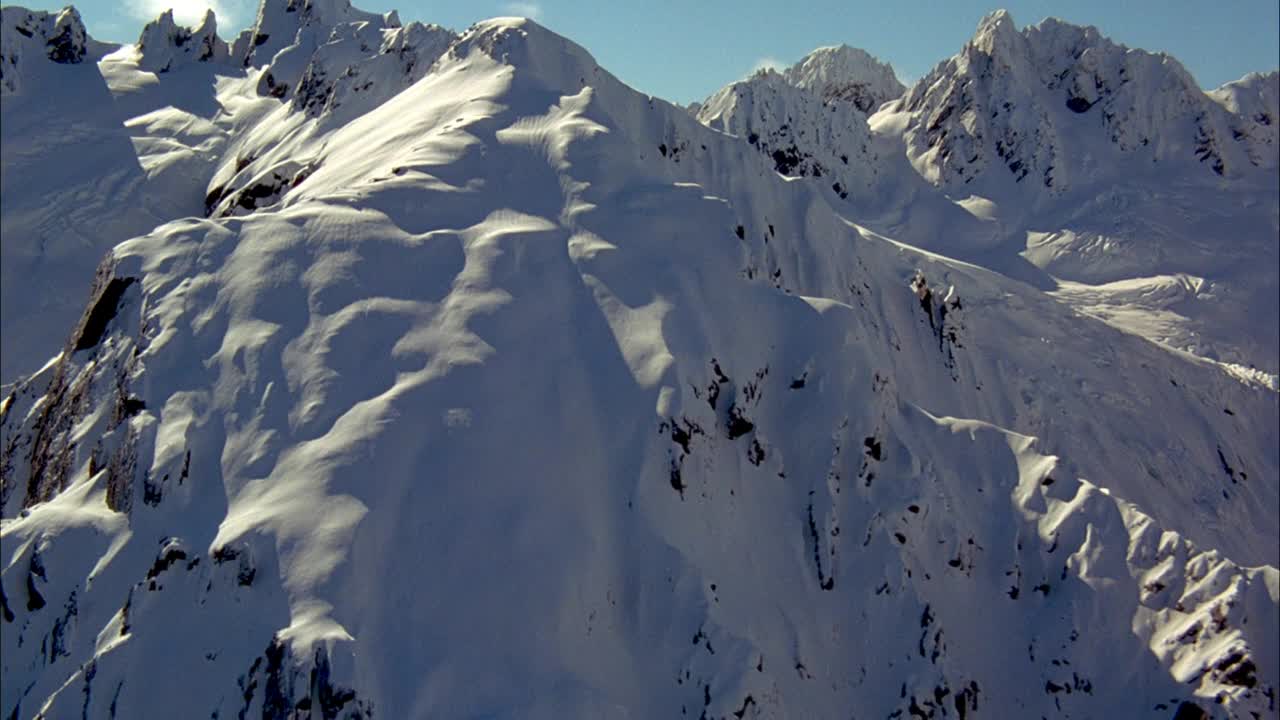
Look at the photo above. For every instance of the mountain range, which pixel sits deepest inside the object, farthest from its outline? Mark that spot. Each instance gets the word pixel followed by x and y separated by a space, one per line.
pixel 366 369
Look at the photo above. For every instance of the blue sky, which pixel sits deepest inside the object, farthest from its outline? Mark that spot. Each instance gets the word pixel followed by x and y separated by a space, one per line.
pixel 683 50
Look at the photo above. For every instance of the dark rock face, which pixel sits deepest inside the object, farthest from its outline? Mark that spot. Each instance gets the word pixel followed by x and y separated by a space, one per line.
pixel 289 693
pixel 1190 711
pixel 66 43
pixel 67 47
pixel 1078 105
pixel 42 459
pixel 101 313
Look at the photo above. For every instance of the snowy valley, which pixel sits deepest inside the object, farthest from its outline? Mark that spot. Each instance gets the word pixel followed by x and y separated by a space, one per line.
pixel 392 371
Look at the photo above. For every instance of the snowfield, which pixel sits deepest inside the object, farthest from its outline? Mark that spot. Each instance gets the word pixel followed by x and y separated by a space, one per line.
pixel 435 374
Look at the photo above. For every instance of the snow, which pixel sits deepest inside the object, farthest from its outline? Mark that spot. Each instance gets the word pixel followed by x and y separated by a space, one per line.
pixel 163 43
pixel 1055 131
pixel 453 377
pixel 830 142
pixel 847 74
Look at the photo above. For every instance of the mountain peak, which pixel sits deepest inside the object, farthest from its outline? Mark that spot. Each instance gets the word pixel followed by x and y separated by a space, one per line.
pixel 280 24
pixel 61 37
pixel 1253 102
pixel 846 73
pixel 996 21
pixel 996 30
pixel 814 128
pixel 163 43
pixel 1049 101
pixel 523 43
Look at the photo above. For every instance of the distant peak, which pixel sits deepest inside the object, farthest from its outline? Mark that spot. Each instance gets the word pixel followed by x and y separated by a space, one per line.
pixel 999 21
pixel 523 42
pixel 841 51
pixel 504 22
pixel 163 43
pixel 1255 80
pixel 278 23
pixel 996 33
pixel 841 72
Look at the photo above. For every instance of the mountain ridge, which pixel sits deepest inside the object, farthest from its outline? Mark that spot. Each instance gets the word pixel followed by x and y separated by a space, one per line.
pixel 986 160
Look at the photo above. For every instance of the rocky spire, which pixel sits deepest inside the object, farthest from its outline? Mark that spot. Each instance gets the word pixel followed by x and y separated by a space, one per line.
pixel 165 45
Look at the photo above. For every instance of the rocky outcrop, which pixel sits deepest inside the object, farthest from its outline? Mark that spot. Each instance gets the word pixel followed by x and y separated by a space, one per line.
pixel 362 65
pixel 28 36
pixel 165 46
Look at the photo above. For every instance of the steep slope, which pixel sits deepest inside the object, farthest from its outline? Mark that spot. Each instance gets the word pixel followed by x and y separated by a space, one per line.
pixel 535 397
pixel 163 43
pixel 147 128
pixel 71 181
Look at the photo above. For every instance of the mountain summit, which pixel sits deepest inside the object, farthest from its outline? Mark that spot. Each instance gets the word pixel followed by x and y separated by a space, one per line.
pixel 848 74
pixel 1056 156
pixel 453 377
pixel 1058 105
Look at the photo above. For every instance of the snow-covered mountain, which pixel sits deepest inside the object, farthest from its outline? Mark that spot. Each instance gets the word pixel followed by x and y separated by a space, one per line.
pixel 164 45
pixel 30 37
pixel 810 119
pixel 1002 112
pixel 1056 156
pixel 455 378
pixel 846 74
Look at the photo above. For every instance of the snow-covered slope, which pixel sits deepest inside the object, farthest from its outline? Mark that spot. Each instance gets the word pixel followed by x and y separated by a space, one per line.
pixel 521 394
pixel 106 149
pixel 1104 164
pixel 73 183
